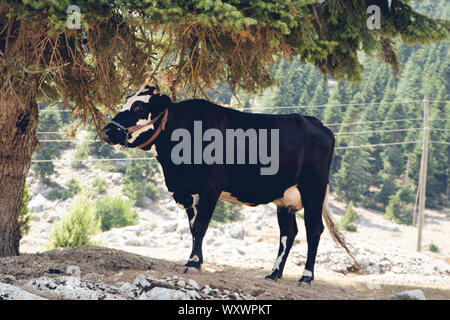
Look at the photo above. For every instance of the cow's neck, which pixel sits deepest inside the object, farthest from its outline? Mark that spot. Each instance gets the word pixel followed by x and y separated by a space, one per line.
pixel 160 147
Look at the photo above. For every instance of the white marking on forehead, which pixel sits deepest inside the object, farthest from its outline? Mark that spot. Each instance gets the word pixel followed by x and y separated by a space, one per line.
pixel 127 105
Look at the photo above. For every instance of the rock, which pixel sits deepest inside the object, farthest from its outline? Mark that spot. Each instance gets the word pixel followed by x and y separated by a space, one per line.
pixel 193 284
pixel 141 282
pixel 170 227
pixel 39 204
pixel 193 295
pixel 116 177
pixel 53 218
pixel 134 242
pixel 71 288
pixel 9 292
pixel 206 290
pixel 411 295
pixel 236 296
pixel 237 232
pixel 373 285
pixel 74 271
pixel 183 230
pixel 158 293
pixel 181 283
pixel 9 279
pixel 129 290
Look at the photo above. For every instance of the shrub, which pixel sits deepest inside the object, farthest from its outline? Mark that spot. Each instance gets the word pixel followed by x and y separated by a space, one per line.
pixel 225 212
pixel 73 186
pixel 151 190
pixel 60 193
pixel 400 207
pixel 77 227
pixel 81 153
pixel 24 214
pixel 433 247
pixel 115 213
pixel 347 221
pixel 99 185
pixel 137 186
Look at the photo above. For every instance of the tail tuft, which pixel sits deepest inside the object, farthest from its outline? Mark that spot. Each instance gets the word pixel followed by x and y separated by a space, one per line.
pixel 337 236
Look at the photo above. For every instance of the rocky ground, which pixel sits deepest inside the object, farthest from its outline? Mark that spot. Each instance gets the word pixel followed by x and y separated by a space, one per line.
pixel 237 255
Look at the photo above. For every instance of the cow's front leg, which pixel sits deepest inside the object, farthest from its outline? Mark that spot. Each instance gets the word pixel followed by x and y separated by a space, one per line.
pixel 199 211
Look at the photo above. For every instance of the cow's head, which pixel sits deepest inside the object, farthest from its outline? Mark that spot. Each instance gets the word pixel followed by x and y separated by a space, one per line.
pixel 138 119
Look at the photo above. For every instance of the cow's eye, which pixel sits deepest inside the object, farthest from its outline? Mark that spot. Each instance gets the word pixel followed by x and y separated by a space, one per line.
pixel 138 108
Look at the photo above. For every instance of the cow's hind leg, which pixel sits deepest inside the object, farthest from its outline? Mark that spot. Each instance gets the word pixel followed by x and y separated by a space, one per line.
pixel 313 195
pixel 288 231
pixel 199 215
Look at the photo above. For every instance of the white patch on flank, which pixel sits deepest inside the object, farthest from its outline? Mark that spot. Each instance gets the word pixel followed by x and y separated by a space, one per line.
pixel 291 198
pixel 280 257
pixel 226 196
pixel 307 273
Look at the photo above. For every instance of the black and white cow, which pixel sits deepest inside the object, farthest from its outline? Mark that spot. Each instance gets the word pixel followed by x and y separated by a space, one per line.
pixel 148 121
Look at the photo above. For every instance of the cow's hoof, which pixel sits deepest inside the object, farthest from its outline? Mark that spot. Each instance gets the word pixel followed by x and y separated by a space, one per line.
pixel 191 270
pixel 305 279
pixel 274 275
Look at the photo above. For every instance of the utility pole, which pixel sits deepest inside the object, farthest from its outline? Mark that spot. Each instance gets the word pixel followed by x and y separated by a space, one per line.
pixel 423 172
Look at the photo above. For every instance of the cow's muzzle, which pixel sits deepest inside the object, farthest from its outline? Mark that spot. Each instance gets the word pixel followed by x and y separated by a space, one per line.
pixel 113 134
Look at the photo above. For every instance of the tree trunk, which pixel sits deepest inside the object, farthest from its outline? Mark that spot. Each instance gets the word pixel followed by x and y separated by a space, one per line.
pixel 18 122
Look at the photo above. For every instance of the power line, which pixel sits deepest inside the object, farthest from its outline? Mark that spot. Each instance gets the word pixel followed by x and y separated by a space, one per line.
pixel 376 145
pixel 367 122
pixel 374 131
pixel 439 129
pixel 440 142
pixel 308 106
pixel 68 140
pixel 333 105
pixel 90 160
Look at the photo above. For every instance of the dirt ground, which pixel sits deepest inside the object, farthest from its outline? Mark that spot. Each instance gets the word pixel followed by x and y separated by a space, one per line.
pixel 112 266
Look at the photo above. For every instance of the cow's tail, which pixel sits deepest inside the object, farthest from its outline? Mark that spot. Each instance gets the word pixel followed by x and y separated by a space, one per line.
pixel 337 236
